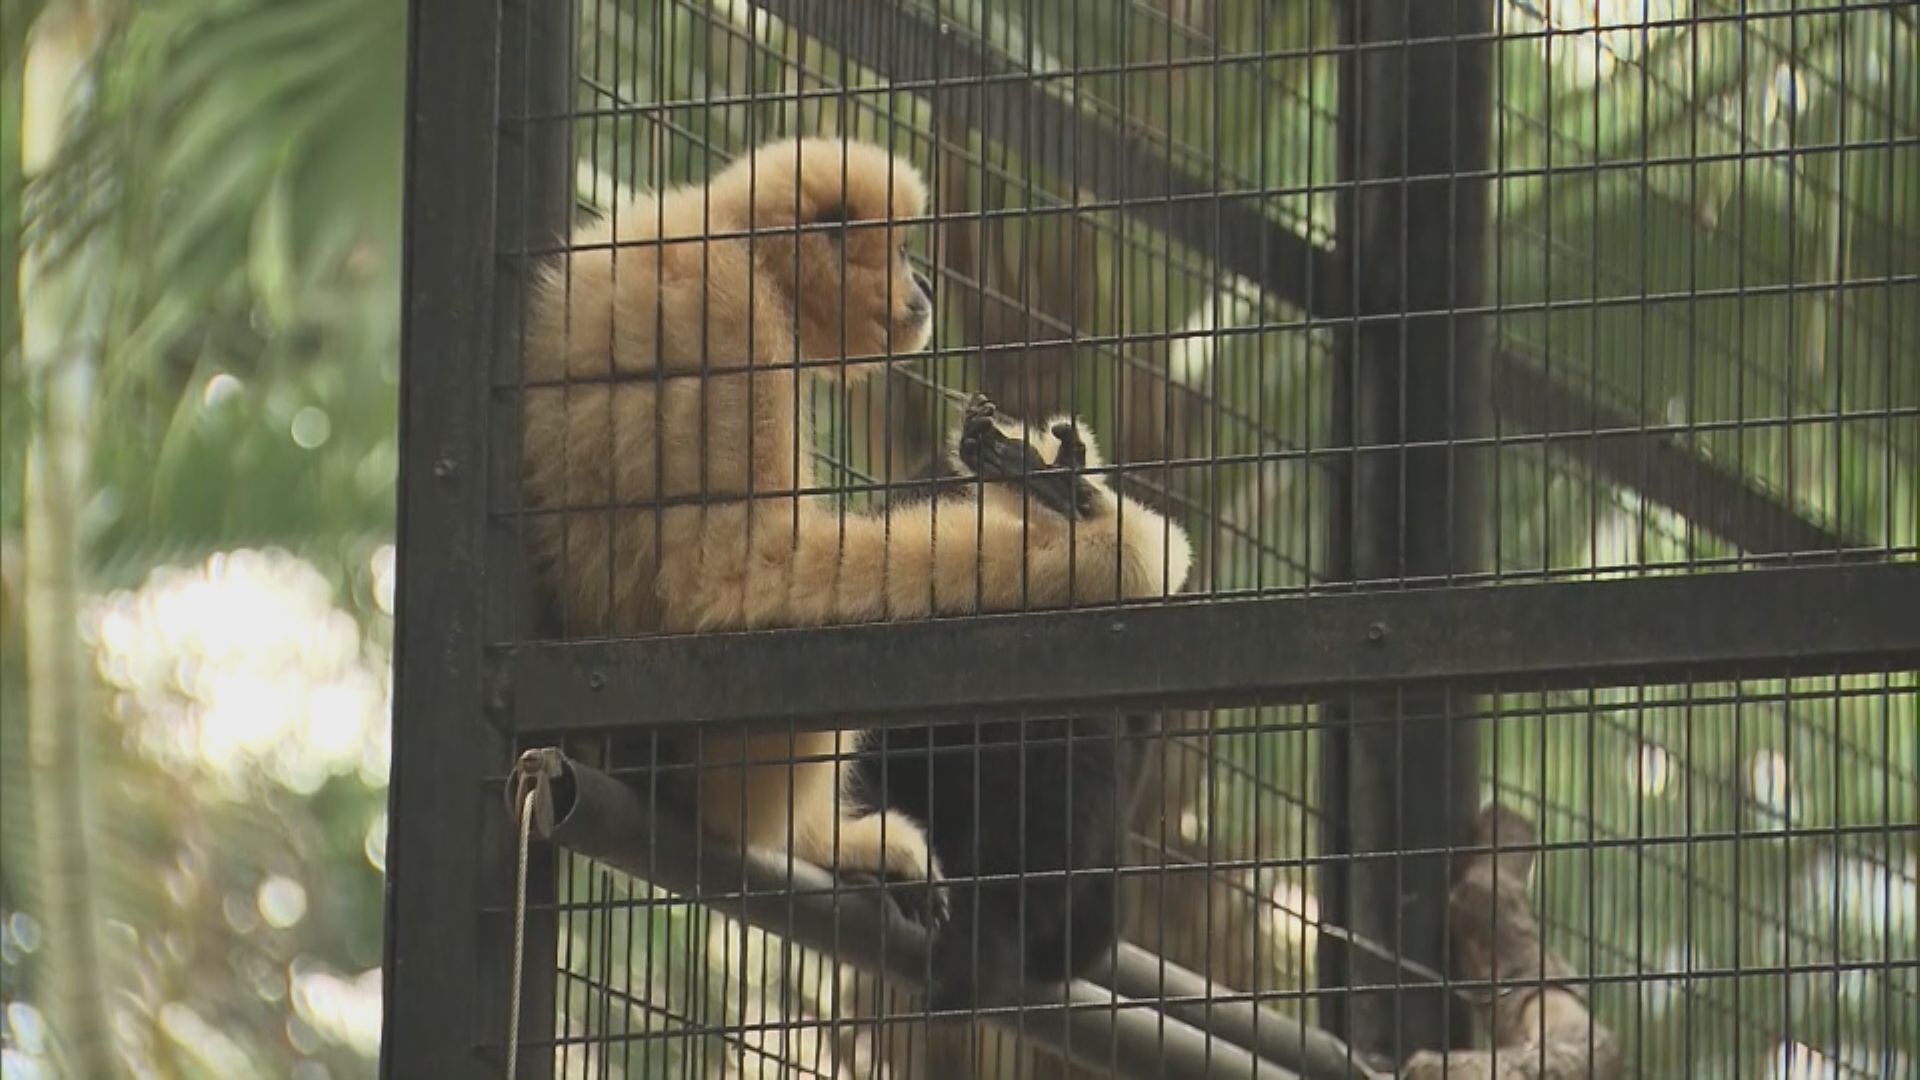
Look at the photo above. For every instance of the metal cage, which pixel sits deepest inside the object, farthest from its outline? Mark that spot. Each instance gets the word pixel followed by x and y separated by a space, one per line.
pixel 1537 384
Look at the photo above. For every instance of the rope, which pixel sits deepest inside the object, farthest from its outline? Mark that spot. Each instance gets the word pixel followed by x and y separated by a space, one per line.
pixel 519 933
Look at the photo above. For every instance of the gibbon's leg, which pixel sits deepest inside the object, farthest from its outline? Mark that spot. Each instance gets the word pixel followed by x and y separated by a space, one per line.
pixel 876 845
pixel 787 792
pixel 887 848
pixel 954 556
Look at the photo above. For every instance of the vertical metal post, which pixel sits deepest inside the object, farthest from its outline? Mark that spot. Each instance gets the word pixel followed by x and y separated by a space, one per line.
pixel 536 201
pixel 1401 773
pixel 435 967
pixel 535 166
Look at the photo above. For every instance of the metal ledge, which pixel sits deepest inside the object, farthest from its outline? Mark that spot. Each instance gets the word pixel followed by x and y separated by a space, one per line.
pixel 593 814
pixel 1736 624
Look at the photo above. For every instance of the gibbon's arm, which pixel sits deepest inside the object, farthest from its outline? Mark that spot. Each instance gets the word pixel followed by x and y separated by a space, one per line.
pixel 803 562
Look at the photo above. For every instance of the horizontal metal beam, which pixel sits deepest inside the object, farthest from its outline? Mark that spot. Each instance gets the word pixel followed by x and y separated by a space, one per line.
pixel 1734 624
pixel 1708 493
pixel 591 813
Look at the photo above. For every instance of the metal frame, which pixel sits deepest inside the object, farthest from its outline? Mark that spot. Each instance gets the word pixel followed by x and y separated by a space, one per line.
pixel 460 319
pixel 534 197
pixel 467 692
pixel 447 846
pixel 1416 103
pixel 1511 637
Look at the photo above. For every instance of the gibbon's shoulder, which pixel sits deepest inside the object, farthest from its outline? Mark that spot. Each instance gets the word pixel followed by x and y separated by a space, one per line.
pixel 611 277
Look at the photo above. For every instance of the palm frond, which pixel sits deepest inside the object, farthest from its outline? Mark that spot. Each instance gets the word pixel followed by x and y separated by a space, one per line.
pixel 238 168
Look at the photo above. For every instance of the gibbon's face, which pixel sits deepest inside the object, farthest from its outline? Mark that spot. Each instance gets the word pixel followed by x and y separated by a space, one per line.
pixel 846 268
pixel 888 305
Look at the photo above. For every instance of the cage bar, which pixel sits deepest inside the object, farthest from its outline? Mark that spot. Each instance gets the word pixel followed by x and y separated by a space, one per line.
pixel 535 200
pixel 1415 112
pixel 448 846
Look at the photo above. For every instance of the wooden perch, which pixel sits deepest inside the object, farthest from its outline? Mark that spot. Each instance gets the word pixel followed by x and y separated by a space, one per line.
pixel 1538 1020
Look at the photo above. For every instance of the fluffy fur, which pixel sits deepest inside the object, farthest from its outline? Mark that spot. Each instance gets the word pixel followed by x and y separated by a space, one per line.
pixel 670 487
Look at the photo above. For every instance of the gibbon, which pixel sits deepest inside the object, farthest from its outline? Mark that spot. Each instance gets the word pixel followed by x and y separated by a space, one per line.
pixel 1019 803
pixel 669 484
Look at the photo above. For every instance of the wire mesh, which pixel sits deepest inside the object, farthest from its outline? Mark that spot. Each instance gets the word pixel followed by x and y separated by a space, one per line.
pixel 1730 866
pixel 1700 276
pixel 1203 229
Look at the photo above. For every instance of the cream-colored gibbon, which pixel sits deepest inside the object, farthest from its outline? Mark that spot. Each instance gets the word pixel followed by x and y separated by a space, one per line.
pixel 669 482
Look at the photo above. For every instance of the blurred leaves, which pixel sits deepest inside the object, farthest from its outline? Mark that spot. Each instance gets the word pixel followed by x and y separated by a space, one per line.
pixel 238 164
pixel 1720 231
pixel 228 186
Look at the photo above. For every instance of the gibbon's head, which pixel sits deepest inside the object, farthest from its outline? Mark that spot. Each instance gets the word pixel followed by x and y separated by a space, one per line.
pixel 845 265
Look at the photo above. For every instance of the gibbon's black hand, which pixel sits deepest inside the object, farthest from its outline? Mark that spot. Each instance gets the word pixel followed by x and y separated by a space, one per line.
pixel 1073 455
pixel 920 901
pixel 995 456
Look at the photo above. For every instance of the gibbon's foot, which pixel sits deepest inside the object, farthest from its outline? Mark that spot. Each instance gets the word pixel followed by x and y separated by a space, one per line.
pixel 994 455
pixel 918 899
pixel 888 850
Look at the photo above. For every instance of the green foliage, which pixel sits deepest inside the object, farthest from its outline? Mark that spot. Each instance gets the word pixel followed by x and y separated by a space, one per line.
pixel 1717 235
pixel 238 169
pixel 227 189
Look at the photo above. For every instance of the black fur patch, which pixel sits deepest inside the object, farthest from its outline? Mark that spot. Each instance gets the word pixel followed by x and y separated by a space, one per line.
pixel 1003 799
